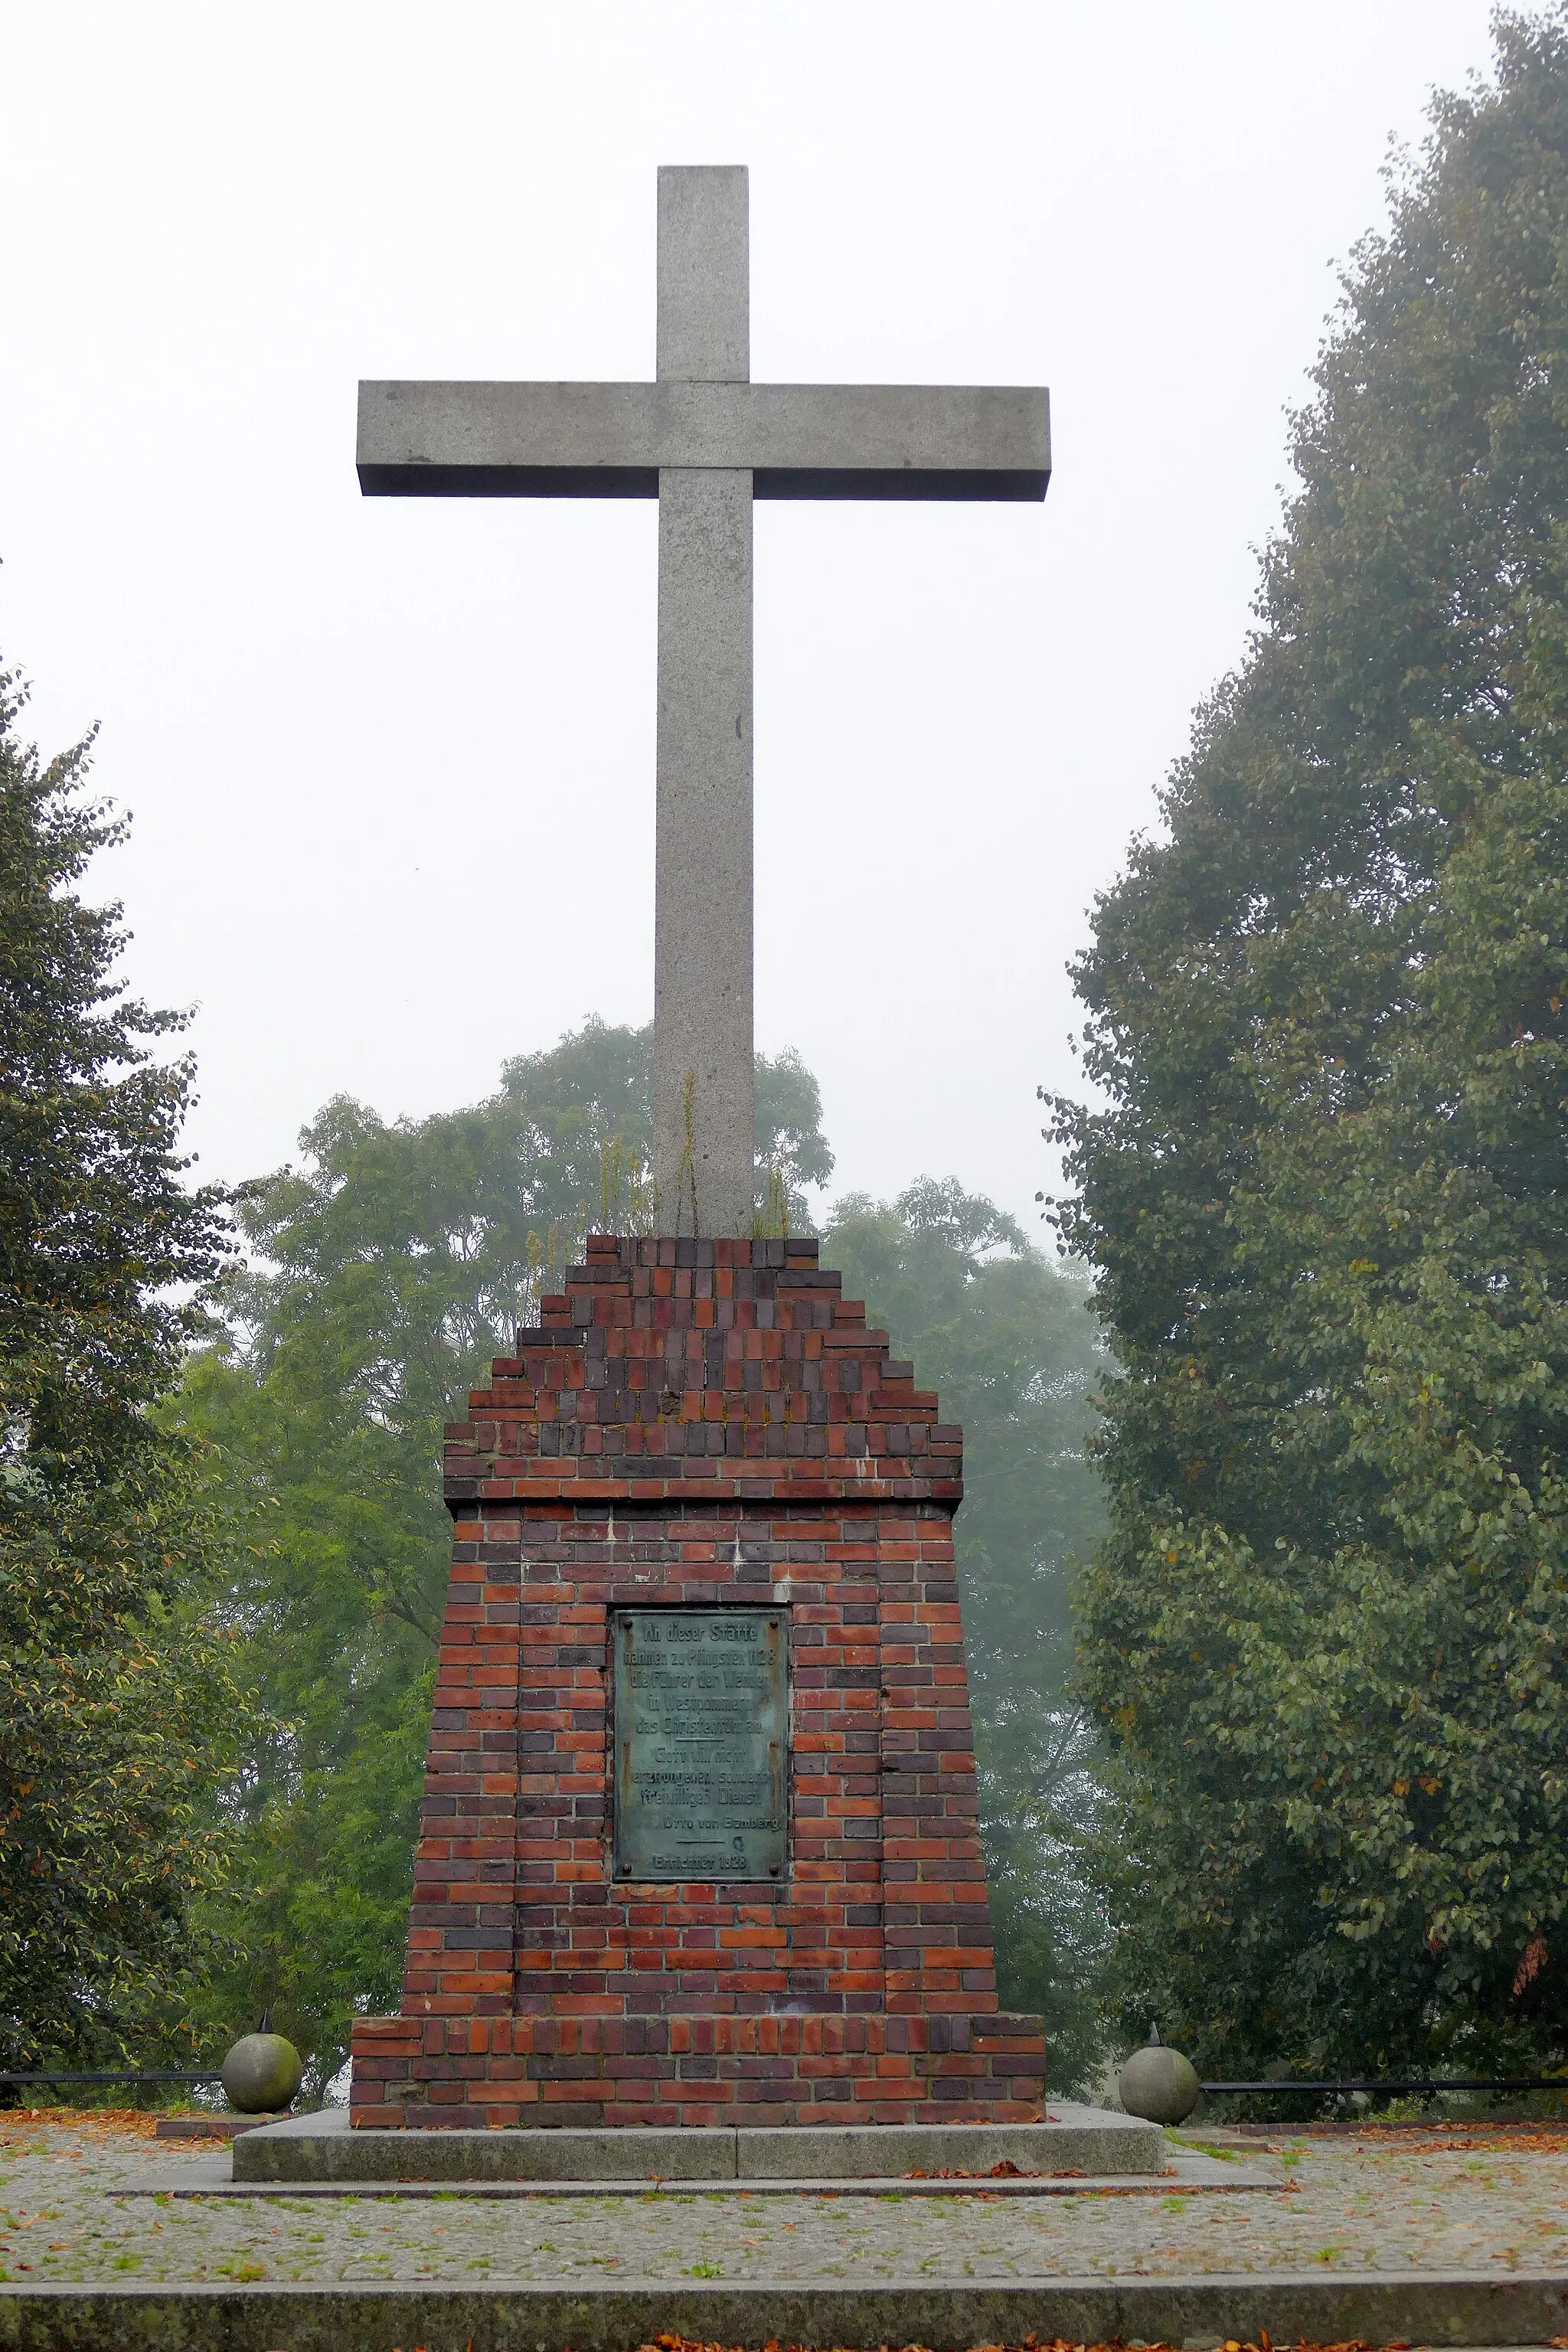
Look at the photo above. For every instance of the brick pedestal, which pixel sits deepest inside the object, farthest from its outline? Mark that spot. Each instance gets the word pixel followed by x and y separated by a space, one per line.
pixel 700 1422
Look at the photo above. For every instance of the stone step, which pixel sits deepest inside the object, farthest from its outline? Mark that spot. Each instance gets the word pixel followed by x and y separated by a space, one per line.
pixel 214 2127
pixel 1089 2141
pixel 1453 2308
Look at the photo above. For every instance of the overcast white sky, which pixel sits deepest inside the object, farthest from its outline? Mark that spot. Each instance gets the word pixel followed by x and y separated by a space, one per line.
pixel 391 763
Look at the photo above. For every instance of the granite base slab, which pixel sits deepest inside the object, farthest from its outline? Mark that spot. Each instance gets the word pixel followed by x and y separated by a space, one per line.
pixel 1088 2141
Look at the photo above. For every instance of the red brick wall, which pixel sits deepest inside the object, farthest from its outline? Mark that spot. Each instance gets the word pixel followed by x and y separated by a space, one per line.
pixel 700 1422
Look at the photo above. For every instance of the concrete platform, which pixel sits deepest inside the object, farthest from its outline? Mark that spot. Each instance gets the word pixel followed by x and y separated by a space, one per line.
pixel 1453 2309
pixel 1086 2141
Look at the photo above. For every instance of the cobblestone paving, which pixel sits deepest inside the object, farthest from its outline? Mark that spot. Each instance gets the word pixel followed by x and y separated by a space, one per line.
pixel 1360 2204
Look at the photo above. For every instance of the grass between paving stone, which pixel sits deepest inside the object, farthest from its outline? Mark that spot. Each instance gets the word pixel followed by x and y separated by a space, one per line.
pixel 1208 2148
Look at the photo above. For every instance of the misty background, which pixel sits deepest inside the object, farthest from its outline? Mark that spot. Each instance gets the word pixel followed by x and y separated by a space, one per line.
pixel 391 763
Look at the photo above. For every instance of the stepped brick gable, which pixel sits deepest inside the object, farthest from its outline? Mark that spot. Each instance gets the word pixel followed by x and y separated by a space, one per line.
pixel 700 1426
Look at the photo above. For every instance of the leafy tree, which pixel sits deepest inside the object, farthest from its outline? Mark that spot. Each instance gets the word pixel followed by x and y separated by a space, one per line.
pixel 1325 1195
pixel 118 1703
pixel 387 1272
pixel 1007 1341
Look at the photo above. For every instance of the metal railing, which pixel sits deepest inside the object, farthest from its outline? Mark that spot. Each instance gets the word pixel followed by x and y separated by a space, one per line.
pixel 1425 2088
pixel 15 2082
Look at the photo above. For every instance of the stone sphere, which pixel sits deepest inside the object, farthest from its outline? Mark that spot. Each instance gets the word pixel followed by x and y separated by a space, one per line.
pixel 261 2074
pixel 1159 2085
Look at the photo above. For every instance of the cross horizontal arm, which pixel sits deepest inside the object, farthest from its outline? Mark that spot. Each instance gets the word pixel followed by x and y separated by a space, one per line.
pixel 611 440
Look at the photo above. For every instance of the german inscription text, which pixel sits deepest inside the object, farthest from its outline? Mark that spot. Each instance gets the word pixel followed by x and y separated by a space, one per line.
pixel 701 1715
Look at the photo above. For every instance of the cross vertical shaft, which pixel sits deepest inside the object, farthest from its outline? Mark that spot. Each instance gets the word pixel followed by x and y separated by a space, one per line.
pixel 706 441
pixel 703 1075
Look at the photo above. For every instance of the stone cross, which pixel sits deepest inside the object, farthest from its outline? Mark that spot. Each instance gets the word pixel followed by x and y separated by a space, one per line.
pixel 705 441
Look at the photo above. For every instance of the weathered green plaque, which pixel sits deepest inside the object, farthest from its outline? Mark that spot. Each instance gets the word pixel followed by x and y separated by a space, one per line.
pixel 701 1736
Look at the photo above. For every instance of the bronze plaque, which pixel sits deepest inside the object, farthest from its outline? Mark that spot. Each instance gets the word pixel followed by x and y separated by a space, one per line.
pixel 701 1733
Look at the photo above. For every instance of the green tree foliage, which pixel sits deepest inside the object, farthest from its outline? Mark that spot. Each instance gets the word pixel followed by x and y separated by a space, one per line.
pixel 118 1705
pixel 1326 1194
pixel 1007 1341
pixel 387 1273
